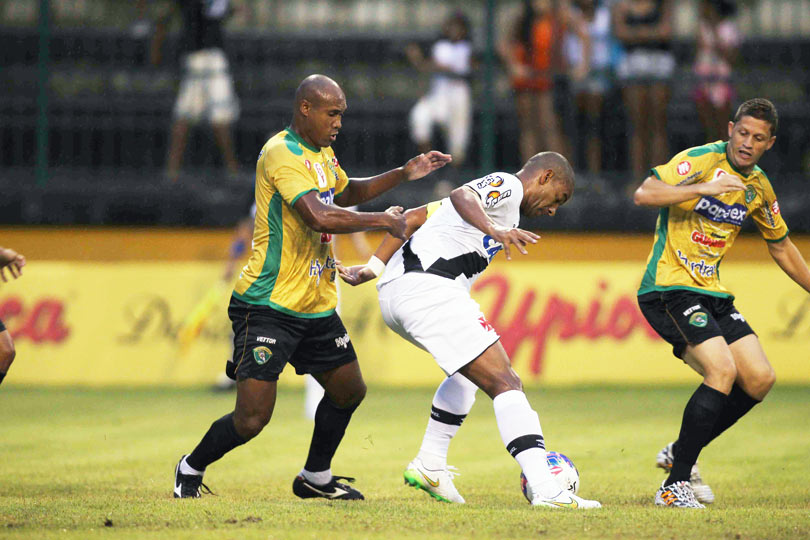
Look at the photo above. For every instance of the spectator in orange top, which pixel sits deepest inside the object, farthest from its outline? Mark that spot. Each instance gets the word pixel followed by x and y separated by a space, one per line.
pixel 532 54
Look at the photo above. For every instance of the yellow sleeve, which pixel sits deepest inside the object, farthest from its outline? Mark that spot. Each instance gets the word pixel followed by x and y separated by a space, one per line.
pixel 687 167
pixel 768 217
pixel 342 178
pixel 289 176
pixel 433 206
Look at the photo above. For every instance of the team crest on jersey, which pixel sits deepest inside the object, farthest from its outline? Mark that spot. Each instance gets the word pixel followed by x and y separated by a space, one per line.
pixel 322 183
pixel 261 355
pixel 495 196
pixel 699 319
pixel 750 193
pixel 684 167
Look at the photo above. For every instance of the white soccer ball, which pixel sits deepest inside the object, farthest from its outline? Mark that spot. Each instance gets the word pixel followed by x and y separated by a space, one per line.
pixel 563 470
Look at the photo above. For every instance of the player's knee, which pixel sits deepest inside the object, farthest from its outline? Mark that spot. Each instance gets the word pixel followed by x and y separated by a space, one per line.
pixel 351 397
pixel 762 382
pixel 250 425
pixel 503 383
pixel 7 352
pixel 722 370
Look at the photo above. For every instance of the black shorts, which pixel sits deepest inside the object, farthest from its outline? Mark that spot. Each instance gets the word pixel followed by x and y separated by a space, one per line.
pixel 684 318
pixel 265 339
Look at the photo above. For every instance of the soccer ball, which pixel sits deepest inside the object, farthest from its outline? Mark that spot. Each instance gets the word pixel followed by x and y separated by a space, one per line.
pixel 563 470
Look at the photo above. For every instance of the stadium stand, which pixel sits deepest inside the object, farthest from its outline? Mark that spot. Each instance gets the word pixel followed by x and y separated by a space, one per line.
pixel 108 110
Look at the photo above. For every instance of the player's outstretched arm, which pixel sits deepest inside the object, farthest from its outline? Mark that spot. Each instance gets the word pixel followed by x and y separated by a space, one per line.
pixel 790 260
pixel 355 275
pixel 12 261
pixel 468 205
pixel 333 219
pixel 361 190
pixel 654 192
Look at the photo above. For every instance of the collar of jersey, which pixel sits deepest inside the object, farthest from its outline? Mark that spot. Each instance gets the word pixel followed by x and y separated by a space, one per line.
pixel 733 168
pixel 301 141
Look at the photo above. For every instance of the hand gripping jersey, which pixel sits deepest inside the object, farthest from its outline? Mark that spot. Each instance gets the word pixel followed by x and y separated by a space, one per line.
pixel 448 246
pixel 291 268
pixel 692 237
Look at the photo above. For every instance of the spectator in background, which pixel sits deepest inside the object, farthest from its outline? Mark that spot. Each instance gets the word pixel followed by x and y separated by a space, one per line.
pixel 644 28
pixel 13 261
pixel 717 43
pixel 532 54
pixel 448 103
pixel 592 60
pixel 206 91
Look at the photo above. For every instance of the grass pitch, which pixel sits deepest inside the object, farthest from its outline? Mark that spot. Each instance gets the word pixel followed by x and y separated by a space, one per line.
pixel 99 464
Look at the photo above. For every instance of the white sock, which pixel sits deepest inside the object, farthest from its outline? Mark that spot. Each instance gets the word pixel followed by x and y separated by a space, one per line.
pixel 313 394
pixel 320 478
pixel 455 396
pixel 516 420
pixel 185 468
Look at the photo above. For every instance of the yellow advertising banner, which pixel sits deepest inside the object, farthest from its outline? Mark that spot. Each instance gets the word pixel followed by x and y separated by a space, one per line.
pixel 562 323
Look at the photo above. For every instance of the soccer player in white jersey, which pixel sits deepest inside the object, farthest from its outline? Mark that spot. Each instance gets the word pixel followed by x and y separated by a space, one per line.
pixel 424 296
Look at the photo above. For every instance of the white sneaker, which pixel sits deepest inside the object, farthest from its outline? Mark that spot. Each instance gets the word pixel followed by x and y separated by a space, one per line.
pixel 565 499
pixel 677 495
pixel 702 491
pixel 438 484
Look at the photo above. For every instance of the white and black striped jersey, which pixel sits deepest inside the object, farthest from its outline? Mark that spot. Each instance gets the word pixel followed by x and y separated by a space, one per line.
pixel 448 246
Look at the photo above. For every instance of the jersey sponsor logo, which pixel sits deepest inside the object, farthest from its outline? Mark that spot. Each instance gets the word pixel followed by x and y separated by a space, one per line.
pixel 261 355
pixel 342 342
pixel 715 210
pixel 775 207
pixel 704 240
pixel 702 268
pixel 494 197
pixel 737 317
pixel 684 167
pixel 308 164
pixel 485 324
pixel 491 247
pixel 691 310
pixel 316 268
pixel 327 197
pixel 332 169
pixel 769 217
pixel 326 238
pixel 322 182
pixel 750 193
pixel 492 180
pixel 335 162
pixel 699 319
pixel 262 339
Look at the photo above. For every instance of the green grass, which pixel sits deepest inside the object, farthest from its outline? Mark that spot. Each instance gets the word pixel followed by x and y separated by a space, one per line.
pixel 71 460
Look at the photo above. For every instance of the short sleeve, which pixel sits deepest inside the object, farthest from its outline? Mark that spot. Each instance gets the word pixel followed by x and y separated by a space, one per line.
pixel 768 216
pixel 291 180
pixel 342 181
pixel 682 169
pixel 497 189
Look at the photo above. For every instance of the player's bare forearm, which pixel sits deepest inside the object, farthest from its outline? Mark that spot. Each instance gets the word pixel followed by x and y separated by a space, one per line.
pixel 790 260
pixel 414 218
pixel 469 207
pixel 361 190
pixel 333 219
pixel 657 193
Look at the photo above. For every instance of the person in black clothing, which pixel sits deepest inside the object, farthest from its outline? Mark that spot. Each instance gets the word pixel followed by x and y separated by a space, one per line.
pixel 206 91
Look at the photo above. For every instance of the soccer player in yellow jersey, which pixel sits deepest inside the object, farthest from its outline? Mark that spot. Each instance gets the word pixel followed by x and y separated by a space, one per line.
pixel 704 195
pixel 283 305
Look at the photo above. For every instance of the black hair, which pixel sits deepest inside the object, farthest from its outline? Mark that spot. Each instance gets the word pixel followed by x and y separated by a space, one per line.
pixel 761 109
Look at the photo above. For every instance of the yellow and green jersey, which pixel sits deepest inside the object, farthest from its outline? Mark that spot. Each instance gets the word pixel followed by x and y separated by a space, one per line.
pixel 292 268
pixel 692 237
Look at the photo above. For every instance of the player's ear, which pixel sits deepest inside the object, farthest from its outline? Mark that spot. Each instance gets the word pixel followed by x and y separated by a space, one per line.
pixel 304 107
pixel 770 142
pixel 546 177
pixel 730 128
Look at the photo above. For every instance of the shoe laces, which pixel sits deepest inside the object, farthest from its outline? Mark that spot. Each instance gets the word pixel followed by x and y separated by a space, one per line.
pixel 451 471
pixel 683 492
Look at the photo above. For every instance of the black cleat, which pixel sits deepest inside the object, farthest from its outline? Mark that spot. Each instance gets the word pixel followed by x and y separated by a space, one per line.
pixel 333 490
pixel 188 486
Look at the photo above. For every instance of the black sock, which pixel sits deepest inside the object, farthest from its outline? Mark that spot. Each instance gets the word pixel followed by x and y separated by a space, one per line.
pixel 738 404
pixel 2 376
pixel 330 425
pixel 220 439
pixel 699 417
